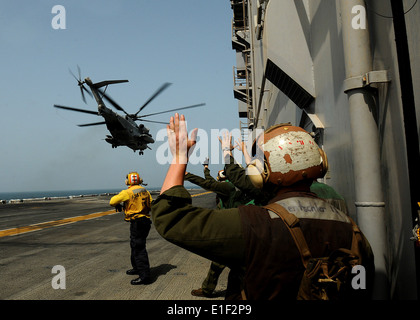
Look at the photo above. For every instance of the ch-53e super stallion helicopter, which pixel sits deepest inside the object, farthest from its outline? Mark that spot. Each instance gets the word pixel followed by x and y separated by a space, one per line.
pixel 124 129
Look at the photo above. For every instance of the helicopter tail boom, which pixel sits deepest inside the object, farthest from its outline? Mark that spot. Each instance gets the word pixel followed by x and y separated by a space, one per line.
pixel 107 82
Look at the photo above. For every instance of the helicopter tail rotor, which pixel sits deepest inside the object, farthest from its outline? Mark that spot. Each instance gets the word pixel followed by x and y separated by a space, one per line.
pixel 80 84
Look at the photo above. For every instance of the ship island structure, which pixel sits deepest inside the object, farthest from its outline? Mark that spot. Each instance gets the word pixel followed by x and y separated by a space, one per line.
pixel 349 72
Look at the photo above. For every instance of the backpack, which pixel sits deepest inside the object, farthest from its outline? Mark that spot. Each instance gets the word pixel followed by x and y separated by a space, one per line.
pixel 325 278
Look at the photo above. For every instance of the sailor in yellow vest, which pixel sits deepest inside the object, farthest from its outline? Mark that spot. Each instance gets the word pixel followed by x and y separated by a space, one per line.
pixel 136 203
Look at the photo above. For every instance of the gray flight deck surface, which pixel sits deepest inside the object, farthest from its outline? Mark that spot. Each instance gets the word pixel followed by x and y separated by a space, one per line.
pixel 95 254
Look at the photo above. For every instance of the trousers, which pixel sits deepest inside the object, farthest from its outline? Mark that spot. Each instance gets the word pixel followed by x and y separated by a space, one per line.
pixel 139 230
pixel 210 282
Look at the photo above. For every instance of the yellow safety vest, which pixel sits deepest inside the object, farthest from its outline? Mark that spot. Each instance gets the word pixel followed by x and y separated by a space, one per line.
pixel 137 202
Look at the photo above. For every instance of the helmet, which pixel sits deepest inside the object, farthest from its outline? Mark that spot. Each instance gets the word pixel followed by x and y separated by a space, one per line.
pixel 290 155
pixel 221 175
pixel 133 178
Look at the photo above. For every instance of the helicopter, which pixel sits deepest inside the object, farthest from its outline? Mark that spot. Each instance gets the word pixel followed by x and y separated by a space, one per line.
pixel 124 131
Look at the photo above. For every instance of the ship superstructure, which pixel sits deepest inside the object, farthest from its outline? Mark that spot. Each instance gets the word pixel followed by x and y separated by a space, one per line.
pixel 349 71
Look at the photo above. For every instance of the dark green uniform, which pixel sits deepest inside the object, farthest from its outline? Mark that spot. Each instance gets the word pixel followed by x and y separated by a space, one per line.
pixel 250 236
pixel 227 196
pixel 224 231
pixel 212 233
pixel 226 192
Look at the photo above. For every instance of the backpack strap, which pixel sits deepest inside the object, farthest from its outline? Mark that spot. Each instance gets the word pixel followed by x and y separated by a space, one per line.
pixel 292 223
pixel 357 240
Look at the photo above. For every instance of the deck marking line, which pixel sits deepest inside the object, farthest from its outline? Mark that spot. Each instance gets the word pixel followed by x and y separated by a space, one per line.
pixel 48 224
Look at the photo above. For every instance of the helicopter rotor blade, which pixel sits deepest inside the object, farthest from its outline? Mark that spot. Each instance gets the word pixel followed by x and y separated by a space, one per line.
pixel 78 110
pixel 86 90
pixel 91 124
pixel 159 91
pixel 83 94
pixel 82 88
pixel 73 75
pixel 111 101
pixel 152 114
pixel 153 121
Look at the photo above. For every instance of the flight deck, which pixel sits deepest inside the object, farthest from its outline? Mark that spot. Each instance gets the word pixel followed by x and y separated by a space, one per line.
pixel 87 242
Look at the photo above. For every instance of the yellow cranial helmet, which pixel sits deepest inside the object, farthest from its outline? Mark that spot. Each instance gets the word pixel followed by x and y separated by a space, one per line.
pixel 290 154
pixel 133 178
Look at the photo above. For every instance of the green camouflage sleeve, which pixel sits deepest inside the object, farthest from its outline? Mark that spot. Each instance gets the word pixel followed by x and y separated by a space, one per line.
pixel 237 175
pixel 221 188
pixel 211 233
pixel 208 176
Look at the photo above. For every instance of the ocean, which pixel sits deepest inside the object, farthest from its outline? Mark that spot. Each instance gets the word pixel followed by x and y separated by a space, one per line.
pixel 27 195
pixel 6 196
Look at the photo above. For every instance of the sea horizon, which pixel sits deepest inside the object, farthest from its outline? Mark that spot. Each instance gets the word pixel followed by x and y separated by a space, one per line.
pixel 23 195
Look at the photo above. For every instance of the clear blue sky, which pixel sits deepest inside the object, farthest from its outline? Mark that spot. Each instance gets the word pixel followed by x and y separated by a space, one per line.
pixel 185 42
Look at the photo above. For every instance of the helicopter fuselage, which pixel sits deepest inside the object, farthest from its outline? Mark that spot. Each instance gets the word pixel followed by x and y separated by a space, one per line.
pixel 124 131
